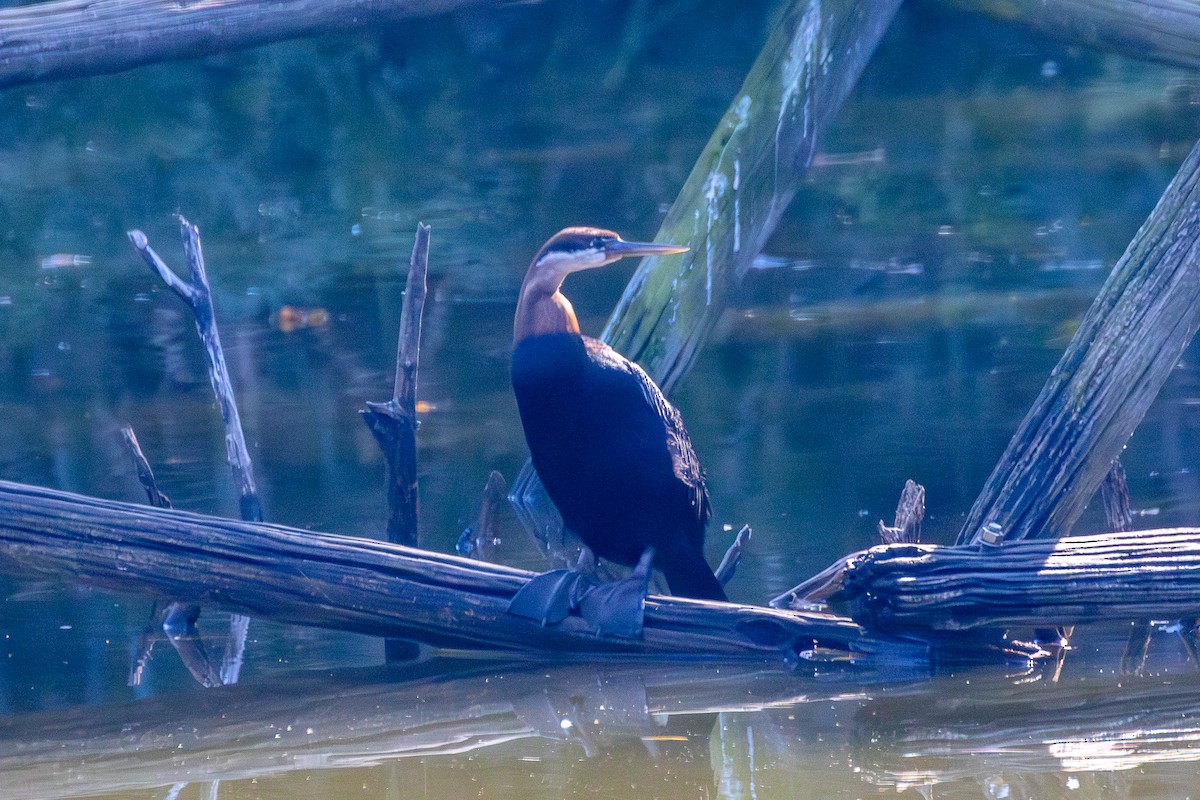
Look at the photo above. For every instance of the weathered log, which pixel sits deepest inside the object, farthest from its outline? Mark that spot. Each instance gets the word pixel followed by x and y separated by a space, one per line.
pixel 1037 583
pixel 72 38
pixel 1126 346
pixel 744 179
pixel 372 587
pixel 1167 31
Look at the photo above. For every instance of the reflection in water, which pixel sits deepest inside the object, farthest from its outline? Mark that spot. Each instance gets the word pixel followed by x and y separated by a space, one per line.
pixel 625 729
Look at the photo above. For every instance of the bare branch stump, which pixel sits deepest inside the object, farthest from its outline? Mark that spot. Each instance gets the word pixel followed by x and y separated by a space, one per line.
pixel 394 422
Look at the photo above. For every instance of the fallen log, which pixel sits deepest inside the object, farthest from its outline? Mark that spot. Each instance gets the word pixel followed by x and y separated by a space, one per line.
pixel 72 38
pixel 371 587
pixel 1112 577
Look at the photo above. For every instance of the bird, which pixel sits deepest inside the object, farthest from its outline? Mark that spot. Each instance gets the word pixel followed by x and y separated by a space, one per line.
pixel 612 453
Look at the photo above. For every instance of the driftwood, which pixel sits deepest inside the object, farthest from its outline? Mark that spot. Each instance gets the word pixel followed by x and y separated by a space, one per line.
pixel 1034 583
pixel 394 422
pixel 71 38
pixel 372 587
pixel 1126 346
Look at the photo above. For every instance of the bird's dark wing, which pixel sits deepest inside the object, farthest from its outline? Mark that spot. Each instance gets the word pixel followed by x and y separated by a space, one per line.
pixel 684 462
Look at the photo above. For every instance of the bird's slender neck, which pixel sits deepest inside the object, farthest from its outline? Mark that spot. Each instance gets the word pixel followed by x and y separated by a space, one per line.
pixel 542 308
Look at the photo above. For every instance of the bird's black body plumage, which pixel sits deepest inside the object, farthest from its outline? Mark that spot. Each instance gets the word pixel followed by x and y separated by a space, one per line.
pixel 614 457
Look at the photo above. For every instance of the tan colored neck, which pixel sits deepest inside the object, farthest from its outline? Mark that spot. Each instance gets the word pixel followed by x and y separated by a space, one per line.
pixel 542 308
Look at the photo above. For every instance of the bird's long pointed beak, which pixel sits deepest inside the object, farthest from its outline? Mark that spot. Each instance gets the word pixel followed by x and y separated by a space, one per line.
pixel 623 249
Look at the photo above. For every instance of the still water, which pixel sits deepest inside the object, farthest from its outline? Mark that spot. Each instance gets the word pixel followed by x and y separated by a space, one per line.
pixel 976 189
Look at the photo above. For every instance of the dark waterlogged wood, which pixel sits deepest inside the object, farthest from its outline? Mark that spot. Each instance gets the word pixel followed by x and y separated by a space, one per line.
pixel 1035 583
pixel 1128 343
pixel 1167 31
pixel 73 38
pixel 394 422
pixel 371 587
pixel 744 179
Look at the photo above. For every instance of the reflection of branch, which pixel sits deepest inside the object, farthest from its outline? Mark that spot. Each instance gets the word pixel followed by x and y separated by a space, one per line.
pixel 69 38
pixel 892 727
pixel 1081 725
pixel 198 296
pixel 177 620
pixel 355 719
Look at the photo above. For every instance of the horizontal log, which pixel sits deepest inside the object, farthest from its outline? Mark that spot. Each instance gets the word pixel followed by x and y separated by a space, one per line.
pixel 71 38
pixel 371 587
pixel 1074 580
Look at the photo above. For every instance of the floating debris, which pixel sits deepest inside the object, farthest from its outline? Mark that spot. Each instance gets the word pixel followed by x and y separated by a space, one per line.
pixel 294 318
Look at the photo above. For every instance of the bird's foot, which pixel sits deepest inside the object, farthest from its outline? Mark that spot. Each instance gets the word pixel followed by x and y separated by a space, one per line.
pixel 615 609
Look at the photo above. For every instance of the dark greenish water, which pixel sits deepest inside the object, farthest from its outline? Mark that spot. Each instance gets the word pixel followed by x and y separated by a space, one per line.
pixel 977 187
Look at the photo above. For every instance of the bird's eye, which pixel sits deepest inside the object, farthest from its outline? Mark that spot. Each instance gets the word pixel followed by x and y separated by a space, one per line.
pixel 597 243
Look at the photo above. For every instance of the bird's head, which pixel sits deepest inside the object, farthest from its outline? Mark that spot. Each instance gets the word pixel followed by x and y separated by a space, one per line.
pixel 575 249
pixel 542 308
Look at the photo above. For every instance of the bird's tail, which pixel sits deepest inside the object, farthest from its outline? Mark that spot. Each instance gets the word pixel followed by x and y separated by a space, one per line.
pixel 688 575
